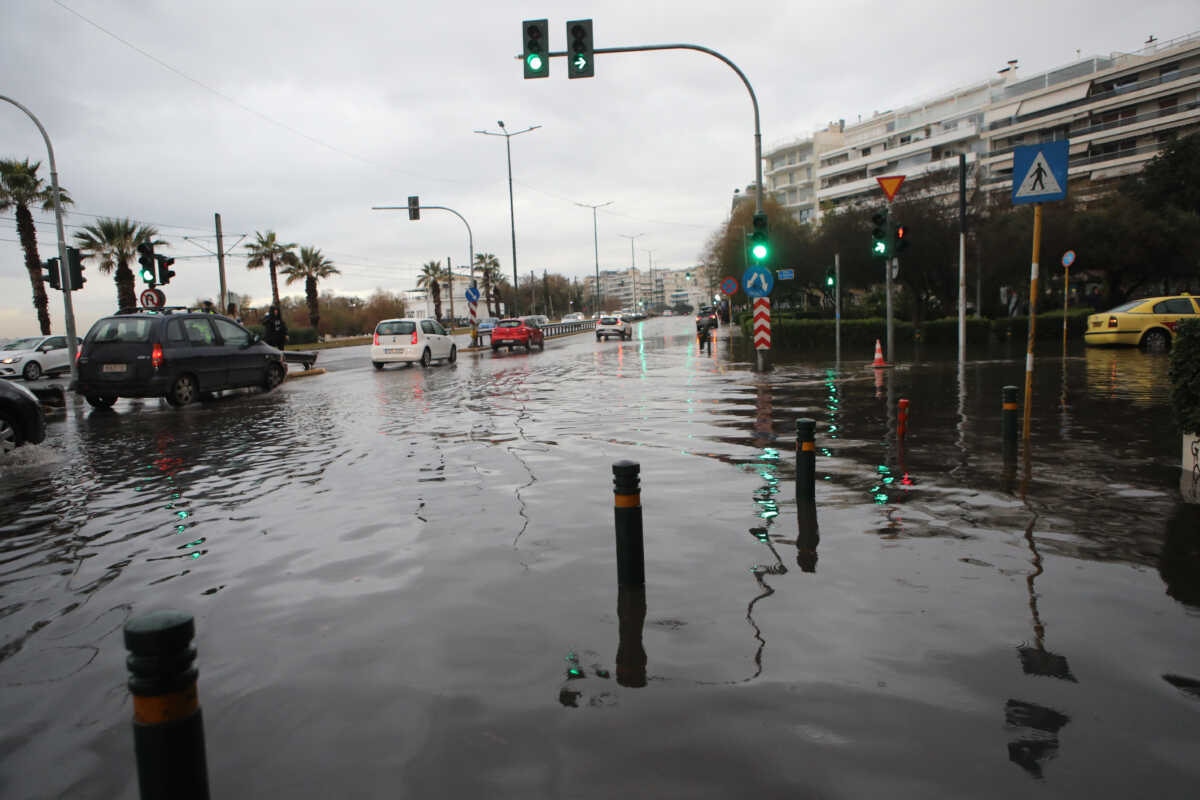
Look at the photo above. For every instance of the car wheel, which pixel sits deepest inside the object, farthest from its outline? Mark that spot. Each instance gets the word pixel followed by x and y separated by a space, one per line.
pixel 377 364
pixel 542 346
pixel 275 376
pixel 183 391
pixel 1156 341
pixel 453 354
pixel 597 337
pixel 100 400
pixel 495 348
pixel 32 371
pixel 11 436
pixel 426 358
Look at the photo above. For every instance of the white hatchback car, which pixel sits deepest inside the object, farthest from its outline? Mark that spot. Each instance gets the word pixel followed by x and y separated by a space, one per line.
pixel 34 357
pixel 411 340
pixel 613 326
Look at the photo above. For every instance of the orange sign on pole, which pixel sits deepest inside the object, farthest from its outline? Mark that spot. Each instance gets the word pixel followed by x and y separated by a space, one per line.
pixel 890 185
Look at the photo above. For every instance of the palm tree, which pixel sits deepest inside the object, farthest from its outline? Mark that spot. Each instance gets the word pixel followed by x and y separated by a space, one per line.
pixel 270 251
pixel 20 188
pixel 114 242
pixel 489 270
pixel 430 279
pixel 313 266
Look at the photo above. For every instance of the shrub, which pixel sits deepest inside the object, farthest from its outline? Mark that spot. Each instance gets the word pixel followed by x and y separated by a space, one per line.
pixel 302 335
pixel 1185 376
pixel 1049 325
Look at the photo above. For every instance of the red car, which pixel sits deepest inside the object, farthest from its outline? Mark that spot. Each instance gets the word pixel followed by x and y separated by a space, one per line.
pixel 523 332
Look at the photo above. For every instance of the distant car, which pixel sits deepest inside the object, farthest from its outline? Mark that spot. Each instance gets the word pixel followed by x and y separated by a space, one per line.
pixel 1149 322
pixel 668 313
pixel 523 332
pixel 34 357
pixel 576 317
pixel 181 357
pixel 22 420
pixel 706 319
pixel 409 341
pixel 613 326
pixel 487 323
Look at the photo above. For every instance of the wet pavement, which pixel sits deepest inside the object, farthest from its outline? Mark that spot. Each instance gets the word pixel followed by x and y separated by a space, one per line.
pixel 404 581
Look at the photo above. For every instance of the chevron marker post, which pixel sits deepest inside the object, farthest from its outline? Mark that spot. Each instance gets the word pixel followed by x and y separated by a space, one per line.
pixel 762 323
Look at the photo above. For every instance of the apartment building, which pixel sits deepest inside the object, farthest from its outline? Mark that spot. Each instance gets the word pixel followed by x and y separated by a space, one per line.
pixel 1118 112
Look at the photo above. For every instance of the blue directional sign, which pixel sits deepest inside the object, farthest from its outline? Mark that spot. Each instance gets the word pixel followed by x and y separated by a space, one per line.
pixel 785 274
pixel 472 294
pixel 758 281
pixel 1040 172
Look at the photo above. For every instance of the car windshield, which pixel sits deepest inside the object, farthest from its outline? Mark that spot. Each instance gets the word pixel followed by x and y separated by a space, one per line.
pixel 22 344
pixel 509 323
pixel 609 321
pixel 122 329
pixel 396 327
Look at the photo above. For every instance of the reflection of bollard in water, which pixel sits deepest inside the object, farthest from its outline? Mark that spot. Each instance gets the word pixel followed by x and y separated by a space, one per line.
pixel 627 514
pixel 902 425
pixel 806 459
pixel 631 619
pixel 807 535
pixel 1008 413
pixel 1010 464
pixel 168 732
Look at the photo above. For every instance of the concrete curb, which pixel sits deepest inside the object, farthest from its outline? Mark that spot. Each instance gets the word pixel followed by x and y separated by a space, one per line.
pixel 304 373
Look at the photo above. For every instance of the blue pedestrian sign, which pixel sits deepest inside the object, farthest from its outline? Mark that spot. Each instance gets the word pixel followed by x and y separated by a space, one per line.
pixel 758 281
pixel 1040 172
pixel 785 274
pixel 472 294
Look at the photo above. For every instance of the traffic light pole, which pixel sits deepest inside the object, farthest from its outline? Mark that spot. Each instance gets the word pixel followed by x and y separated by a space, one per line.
pixel 63 262
pixel 889 266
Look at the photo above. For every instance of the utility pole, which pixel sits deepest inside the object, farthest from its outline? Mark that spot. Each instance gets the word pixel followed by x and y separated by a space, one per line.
pixel 633 263
pixel 516 312
pixel 450 289
pixel 224 306
pixel 596 247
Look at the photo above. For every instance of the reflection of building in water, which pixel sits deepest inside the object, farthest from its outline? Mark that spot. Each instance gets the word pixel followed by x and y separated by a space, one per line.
pixel 1039 743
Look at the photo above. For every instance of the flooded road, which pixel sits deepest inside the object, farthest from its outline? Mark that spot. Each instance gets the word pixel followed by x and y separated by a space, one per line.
pixel 404 581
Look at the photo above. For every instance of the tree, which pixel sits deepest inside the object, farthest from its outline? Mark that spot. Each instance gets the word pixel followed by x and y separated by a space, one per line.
pixel 312 267
pixel 430 279
pixel 270 251
pixel 1173 176
pixel 113 242
pixel 489 271
pixel 20 188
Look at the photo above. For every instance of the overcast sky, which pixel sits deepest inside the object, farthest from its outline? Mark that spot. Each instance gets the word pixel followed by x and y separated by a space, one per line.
pixel 297 117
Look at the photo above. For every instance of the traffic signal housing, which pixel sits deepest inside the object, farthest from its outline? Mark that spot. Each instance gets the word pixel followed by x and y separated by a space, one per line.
pixel 760 244
pixel 535 42
pixel 165 273
pixel 880 244
pixel 52 275
pixel 414 207
pixel 146 259
pixel 900 238
pixel 580 51
pixel 830 279
pixel 75 268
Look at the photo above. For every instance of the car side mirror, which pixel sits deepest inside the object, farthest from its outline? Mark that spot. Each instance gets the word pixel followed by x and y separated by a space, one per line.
pixel 255 339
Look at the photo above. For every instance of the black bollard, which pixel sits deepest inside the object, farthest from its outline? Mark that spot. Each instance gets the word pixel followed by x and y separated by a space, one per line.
pixel 808 535
pixel 168 732
pixel 631 619
pixel 806 459
pixel 1008 412
pixel 627 514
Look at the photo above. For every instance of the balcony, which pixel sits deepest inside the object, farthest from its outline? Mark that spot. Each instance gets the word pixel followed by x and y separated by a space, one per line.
pixel 963 131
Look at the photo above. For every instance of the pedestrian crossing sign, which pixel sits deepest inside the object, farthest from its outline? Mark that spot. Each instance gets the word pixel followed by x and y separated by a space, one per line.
pixel 1040 172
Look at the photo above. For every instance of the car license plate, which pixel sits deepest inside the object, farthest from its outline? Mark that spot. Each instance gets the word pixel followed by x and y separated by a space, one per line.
pixel 391 350
pixel 114 368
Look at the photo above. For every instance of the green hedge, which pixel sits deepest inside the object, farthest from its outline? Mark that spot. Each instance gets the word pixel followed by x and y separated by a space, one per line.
pixel 1185 376
pixel 295 335
pixel 1049 325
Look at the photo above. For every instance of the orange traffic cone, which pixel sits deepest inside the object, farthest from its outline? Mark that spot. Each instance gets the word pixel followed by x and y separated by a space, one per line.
pixel 879 362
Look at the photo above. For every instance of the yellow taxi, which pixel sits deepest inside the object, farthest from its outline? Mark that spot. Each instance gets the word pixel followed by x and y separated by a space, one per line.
pixel 1149 322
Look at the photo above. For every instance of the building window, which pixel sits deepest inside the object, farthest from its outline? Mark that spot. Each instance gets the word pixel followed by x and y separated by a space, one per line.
pixel 1168 71
pixel 866 151
pixel 905 139
pixel 1168 102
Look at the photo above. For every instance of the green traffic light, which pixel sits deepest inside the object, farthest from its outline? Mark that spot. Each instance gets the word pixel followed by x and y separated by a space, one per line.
pixel 880 248
pixel 148 275
pixel 534 61
pixel 829 281
pixel 759 251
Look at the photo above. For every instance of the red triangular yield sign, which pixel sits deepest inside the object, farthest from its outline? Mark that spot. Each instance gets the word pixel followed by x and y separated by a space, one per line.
pixel 890 184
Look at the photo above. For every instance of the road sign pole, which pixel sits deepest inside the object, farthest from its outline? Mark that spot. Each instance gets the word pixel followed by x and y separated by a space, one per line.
pixel 1033 284
pixel 1066 304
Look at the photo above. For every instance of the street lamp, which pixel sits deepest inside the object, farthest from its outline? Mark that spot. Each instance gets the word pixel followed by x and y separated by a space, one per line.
pixel 650 270
pixel 511 214
pixel 596 246
pixel 632 260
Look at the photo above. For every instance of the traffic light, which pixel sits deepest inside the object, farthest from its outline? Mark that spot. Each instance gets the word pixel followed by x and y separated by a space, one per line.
pixel 75 268
pixel 760 245
pixel 146 259
pixel 535 40
pixel 900 237
pixel 880 246
pixel 830 279
pixel 165 273
pixel 580 53
pixel 414 207
pixel 52 275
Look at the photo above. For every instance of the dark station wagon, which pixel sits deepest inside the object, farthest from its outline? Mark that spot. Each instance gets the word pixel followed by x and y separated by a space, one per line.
pixel 182 356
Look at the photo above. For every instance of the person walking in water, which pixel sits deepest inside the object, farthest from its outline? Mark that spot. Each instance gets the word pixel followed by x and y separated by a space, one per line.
pixel 274 329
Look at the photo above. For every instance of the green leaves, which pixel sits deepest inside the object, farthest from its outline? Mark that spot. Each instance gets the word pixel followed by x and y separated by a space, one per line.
pixel 1185 376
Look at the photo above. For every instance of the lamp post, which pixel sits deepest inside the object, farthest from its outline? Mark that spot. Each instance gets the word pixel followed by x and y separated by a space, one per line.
pixel 596 246
pixel 632 262
pixel 650 271
pixel 511 214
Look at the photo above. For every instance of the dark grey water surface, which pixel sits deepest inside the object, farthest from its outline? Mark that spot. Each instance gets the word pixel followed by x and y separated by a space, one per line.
pixel 404 581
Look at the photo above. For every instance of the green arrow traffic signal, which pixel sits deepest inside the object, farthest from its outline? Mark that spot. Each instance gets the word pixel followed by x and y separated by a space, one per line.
pixel 579 49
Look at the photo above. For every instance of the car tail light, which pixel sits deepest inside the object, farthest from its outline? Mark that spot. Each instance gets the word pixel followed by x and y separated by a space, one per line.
pixel 414 338
pixel 1112 322
pixel 156 356
pixel 376 342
